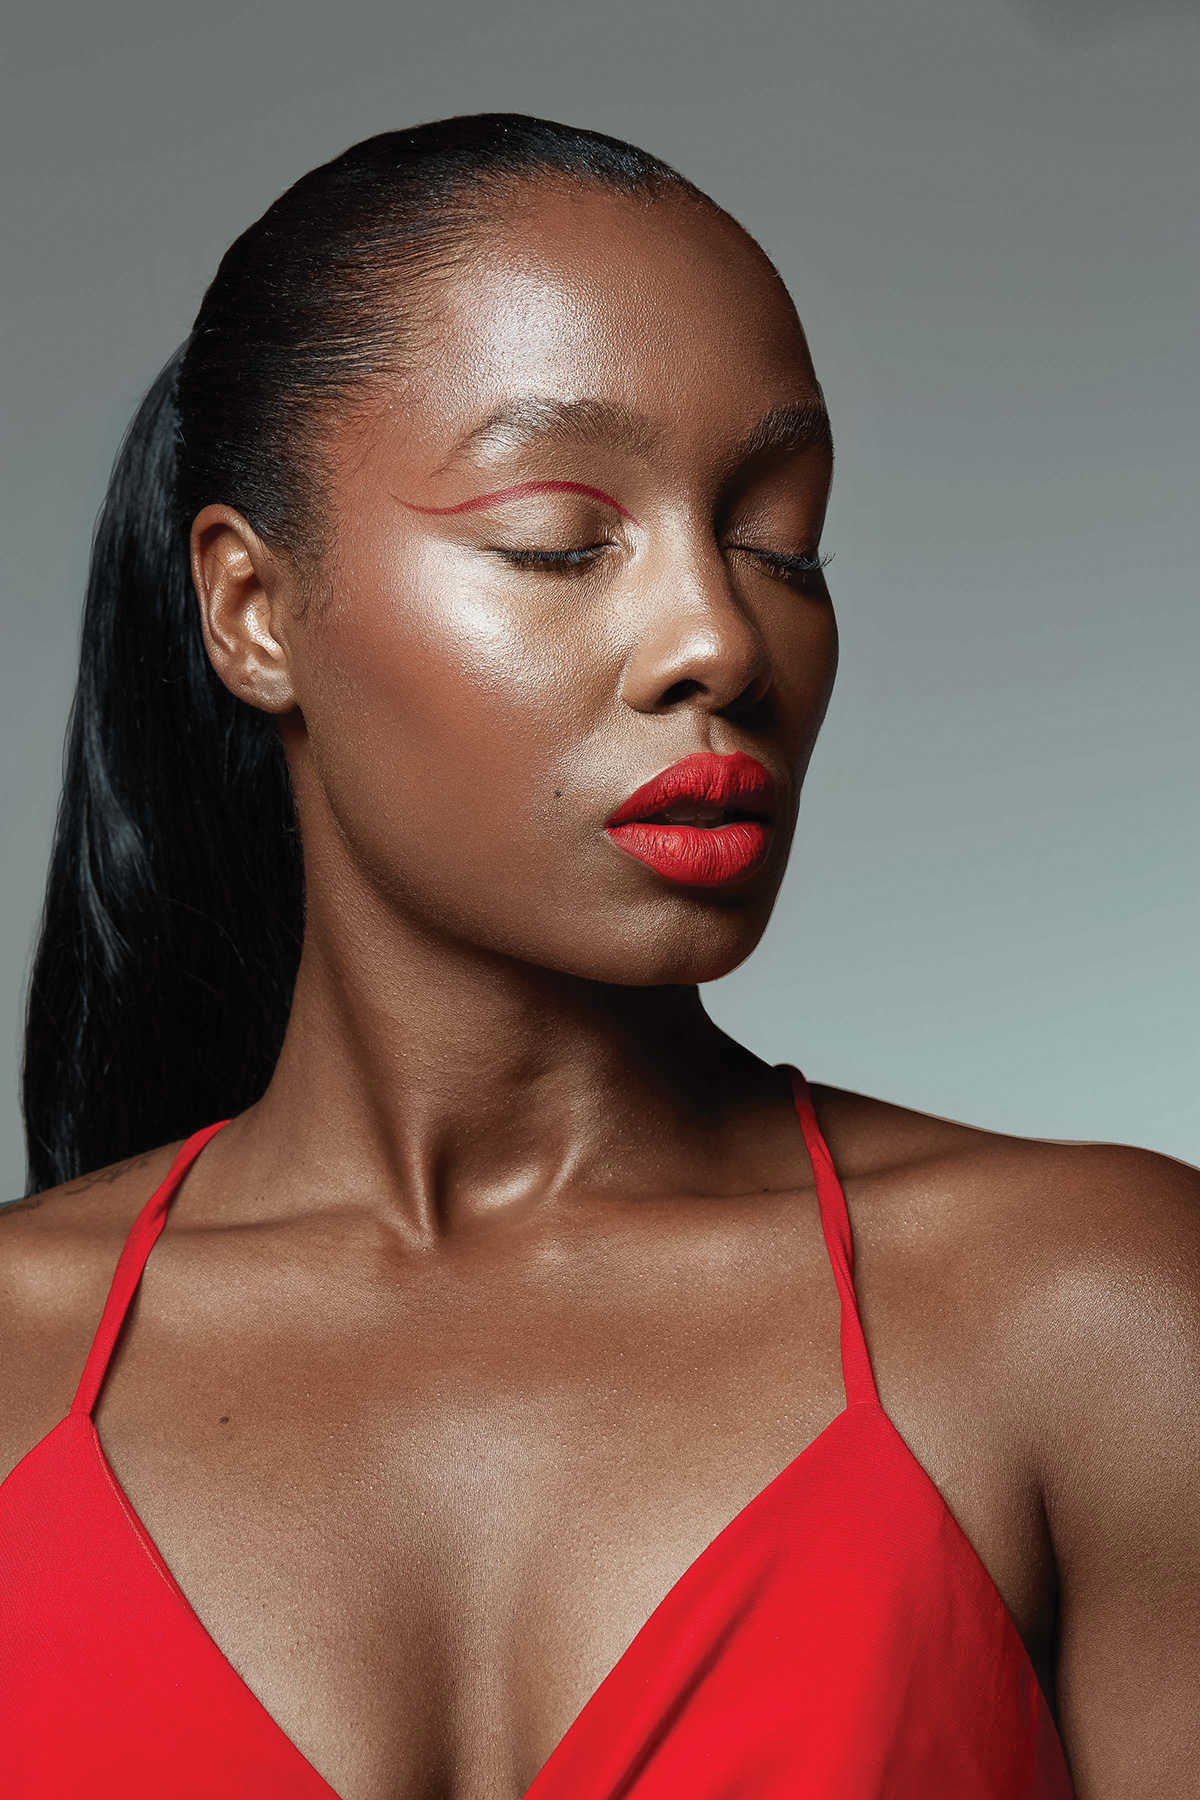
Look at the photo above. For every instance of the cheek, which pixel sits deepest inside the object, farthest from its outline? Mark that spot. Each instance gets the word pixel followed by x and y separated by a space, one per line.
pixel 441 710
pixel 802 639
pixel 818 667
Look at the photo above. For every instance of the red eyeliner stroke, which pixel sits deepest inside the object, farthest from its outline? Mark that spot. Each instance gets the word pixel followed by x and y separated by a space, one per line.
pixel 519 492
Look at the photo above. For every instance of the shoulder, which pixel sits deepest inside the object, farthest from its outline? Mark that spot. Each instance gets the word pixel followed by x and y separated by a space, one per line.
pixel 1075 1264
pixel 58 1251
pixel 1073 1205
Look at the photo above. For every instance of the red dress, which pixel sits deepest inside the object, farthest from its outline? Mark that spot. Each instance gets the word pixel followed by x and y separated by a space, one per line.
pixel 838 1640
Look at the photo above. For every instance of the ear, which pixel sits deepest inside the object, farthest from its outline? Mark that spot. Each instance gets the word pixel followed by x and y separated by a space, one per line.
pixel 243 593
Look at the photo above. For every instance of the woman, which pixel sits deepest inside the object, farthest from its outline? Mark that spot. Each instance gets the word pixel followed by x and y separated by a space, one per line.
pixel 483 1424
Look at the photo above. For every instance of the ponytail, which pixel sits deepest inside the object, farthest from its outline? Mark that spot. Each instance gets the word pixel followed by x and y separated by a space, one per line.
pixel 171 930
pixel 174 910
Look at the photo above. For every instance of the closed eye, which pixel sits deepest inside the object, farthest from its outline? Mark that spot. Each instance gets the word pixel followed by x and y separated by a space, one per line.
pixel 784 564
pixel 553 559
pixel 787 566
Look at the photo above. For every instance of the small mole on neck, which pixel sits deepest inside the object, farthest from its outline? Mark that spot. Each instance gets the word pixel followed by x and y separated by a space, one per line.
pixel 223 1421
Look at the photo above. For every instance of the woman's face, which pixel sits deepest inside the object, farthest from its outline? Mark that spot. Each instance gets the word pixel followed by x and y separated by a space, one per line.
pixel 575 547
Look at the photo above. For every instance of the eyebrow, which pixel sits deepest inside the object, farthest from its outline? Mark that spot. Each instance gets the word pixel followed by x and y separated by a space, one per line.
pixel 797 425
pixel 801 425
pixel 536 417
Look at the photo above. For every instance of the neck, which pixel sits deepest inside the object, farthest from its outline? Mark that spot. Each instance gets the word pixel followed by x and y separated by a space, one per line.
pixel 449 1081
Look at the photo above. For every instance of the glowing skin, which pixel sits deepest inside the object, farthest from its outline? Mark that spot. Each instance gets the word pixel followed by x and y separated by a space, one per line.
pixel 467 1338
pixel 561 689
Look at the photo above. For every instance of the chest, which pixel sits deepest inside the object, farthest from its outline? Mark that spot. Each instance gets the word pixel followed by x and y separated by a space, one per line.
pixel 426 1528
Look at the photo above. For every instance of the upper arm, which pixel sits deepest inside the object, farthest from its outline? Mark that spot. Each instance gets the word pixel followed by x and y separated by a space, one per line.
pixel 1120 1348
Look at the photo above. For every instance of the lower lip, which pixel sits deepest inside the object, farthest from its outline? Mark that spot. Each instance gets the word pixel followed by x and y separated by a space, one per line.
pixel 694 855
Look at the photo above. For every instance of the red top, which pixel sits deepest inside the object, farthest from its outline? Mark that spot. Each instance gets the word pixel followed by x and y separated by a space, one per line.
pixel 839 1640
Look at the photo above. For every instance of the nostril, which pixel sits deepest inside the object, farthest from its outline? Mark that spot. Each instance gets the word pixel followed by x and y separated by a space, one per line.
pixel 681 690
pixel 753 704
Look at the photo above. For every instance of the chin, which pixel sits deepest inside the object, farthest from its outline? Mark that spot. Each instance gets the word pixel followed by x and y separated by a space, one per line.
pixel 679 954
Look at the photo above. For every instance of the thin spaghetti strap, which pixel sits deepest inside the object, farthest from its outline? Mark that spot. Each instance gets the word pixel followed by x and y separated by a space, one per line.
pixel 143 1235
pixel 835 1223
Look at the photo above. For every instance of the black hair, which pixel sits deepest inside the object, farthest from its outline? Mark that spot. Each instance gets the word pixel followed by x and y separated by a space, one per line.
pixel 174 911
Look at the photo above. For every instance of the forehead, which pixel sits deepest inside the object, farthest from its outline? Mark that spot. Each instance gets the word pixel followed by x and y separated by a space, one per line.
pixel 656 311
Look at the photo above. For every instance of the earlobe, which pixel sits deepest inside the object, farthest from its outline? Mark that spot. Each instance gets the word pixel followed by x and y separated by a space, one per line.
pixel 239 586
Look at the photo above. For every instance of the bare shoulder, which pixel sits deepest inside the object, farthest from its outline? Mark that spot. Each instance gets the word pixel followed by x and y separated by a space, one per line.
pixel 1047 1296
pixel 1087 1224
pixel 58 1250
pixel 1074 1265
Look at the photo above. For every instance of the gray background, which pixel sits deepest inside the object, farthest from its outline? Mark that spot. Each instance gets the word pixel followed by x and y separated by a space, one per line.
pixel 986 211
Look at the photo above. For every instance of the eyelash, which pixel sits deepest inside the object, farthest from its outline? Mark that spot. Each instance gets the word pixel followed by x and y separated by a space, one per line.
pixel 554 559
pixel 777 561
pixel 792 568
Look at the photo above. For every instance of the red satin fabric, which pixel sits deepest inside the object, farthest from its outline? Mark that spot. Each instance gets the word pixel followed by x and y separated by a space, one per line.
pixel 839 1640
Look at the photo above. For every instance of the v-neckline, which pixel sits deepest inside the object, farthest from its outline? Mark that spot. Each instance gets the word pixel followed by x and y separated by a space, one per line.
pixel 692 1573
pixel 624 1683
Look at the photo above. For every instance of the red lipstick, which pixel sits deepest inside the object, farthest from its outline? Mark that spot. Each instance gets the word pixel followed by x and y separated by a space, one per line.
pixel 705 821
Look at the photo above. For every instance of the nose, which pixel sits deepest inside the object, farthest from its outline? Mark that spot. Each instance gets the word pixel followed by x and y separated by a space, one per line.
pixel 699 646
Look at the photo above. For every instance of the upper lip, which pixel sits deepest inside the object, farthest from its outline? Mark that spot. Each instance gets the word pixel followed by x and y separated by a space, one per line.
pixel 738 782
